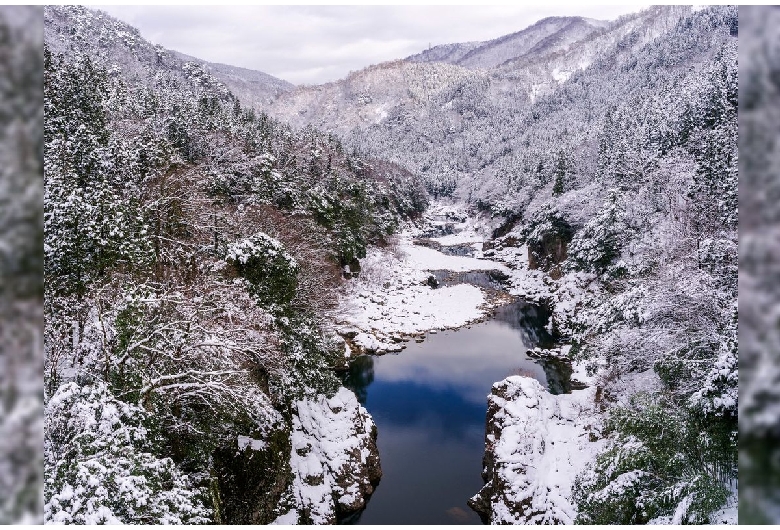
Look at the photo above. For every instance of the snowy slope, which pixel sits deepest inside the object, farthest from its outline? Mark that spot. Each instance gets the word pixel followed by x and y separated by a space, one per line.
pixel 549 34
pixel 382 93
pixel 253 88
pixel 77 29
pixel 445 53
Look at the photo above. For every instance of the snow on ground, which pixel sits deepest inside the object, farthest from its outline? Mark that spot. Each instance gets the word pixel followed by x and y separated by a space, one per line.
pixel 426 259
pixel 334 458
pixel 628 385
pixel 391 300
pixel 729 514
pixel 463 226
pixel 536 443
pixel 252 443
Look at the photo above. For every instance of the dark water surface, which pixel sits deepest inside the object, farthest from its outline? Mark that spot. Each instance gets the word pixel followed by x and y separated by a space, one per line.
pixel 429 403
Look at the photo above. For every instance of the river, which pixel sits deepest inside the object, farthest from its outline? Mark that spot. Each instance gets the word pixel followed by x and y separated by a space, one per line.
pixel 429 404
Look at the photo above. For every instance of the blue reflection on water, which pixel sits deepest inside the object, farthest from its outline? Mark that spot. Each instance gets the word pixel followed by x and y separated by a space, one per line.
pixel 444 412
pixel 429 404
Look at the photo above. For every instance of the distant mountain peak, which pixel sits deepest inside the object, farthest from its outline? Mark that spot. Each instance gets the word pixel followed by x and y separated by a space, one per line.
pixel 78 29
pixel 554 31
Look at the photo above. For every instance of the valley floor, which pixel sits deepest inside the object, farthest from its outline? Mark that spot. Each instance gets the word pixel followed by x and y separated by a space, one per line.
pixel 537 442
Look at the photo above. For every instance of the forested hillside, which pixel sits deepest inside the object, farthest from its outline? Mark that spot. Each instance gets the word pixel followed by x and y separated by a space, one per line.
pixel 117 44
pixel 615 161
pixel 196 239
pixel 192 248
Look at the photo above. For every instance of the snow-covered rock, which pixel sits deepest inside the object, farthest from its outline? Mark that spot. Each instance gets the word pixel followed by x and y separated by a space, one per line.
pixel 334 458
pixel 535 445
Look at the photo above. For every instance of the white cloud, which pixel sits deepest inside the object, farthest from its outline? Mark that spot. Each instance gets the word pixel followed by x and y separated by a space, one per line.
pixel 469 360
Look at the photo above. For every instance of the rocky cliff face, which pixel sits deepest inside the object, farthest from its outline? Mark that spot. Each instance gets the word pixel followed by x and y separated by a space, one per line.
pixel 535 444
pixel 334 459
pixel 548 253
pixel 252 478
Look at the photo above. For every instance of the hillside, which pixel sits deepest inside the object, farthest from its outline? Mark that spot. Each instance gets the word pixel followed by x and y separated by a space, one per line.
pixel 219 243
pixel 546 36
pixel 194 250
pixel 71 30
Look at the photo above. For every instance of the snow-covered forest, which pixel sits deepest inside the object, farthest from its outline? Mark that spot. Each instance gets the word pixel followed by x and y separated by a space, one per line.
pixel 219 244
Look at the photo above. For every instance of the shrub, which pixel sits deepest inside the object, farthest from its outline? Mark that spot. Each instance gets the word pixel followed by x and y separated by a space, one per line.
pixel 270 270
pixel 101 467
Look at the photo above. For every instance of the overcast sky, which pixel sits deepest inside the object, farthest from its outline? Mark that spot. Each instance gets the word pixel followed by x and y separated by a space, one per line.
pixel 316 44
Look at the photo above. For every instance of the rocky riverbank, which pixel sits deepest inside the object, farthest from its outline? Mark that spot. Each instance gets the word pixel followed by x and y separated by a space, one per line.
pixel 535 444
pixel 334 460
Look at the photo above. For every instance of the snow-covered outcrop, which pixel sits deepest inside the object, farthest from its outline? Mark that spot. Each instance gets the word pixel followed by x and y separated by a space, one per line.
pixel 393 299
pixel 535 445
pixel 334 458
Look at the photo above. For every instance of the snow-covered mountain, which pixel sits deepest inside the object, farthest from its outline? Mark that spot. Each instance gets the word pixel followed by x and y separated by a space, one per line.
pixel 450 111
pixel 379 92
pixel 547 35
pixel 254 88
pixel 77 29
pixel 414 88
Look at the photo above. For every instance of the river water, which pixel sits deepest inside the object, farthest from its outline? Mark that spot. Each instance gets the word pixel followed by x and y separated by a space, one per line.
pixel 429 403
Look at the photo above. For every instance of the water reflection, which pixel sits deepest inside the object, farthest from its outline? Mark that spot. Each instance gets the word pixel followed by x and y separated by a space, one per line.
pixel 359 376
pixel 429 406
pixel 466 361
pixel 529 320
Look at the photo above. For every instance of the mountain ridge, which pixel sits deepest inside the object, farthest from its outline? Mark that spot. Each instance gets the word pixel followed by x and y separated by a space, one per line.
pixel 70 29
pixel 507 47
